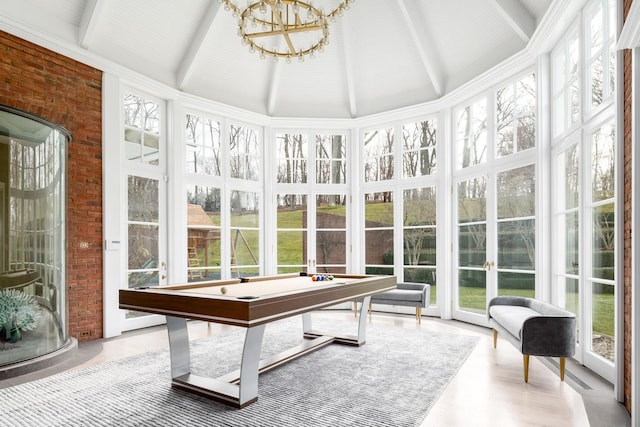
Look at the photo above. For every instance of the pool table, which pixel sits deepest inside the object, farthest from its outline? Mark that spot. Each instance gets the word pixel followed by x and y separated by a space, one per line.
pixel 250 302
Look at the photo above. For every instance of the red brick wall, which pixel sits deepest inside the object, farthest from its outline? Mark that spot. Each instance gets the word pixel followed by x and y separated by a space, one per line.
pixel 627 219
pixel 67 93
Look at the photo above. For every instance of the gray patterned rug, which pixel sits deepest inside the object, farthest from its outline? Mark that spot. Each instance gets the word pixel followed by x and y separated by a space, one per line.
pixel 393 380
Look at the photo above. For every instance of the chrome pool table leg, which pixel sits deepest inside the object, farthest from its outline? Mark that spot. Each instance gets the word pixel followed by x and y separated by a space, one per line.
pixel 178 346
pixel 362 321
pixel 356 340
pixel 249 367
pixel 306 323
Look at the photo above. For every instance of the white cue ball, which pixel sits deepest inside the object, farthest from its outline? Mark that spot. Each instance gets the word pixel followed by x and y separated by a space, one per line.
pixel 223 290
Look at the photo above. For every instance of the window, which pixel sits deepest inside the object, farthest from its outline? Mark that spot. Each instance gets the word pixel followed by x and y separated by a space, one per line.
pixel 472 244
pixel 143 229
pixel 203 145
pixel 245 233
pixel 419 148
pixel 244 151
pixel 566 83
pixel 471 134
pixel 311 220
pixel 293 156
pixel 219 179
pixel 141 130
pixel 602 209
pixel 379 233
pixel 516 116
pixel 585 204
pixel 495 195
pixel 600 56
pixel 419 237
pixel 204 257
pixel 378 155
pixel 568 228
pixel 292 233
pixel 516 231
pixel 331 159
pixel 146 191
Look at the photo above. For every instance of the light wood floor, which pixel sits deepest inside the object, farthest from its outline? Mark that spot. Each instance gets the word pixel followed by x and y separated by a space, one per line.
pixel 488 390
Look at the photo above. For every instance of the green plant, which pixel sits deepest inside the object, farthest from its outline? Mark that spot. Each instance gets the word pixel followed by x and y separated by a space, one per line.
pixel 19 312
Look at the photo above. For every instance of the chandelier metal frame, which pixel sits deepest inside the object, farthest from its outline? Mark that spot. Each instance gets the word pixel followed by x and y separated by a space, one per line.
pixel 263 20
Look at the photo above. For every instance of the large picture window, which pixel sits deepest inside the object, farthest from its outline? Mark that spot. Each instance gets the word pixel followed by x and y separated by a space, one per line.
pixel 585 204
pixel 311 221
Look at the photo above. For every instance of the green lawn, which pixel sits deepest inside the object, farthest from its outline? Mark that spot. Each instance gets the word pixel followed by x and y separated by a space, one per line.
pixel 471 298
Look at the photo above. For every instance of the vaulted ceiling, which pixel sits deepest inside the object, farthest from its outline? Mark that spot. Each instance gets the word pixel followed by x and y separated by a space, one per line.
pixel 383 54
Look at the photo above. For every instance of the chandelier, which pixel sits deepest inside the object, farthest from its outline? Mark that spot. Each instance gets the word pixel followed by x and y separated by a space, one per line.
pixel 285 28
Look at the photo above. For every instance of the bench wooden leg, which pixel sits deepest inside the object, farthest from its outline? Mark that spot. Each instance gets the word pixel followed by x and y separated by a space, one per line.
pixel 562 365
pixel 495 338
pixel 419 315
pixel 355 309
pixel 526 367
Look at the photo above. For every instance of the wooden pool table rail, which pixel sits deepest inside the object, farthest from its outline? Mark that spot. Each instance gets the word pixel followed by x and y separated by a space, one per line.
pixel 177 301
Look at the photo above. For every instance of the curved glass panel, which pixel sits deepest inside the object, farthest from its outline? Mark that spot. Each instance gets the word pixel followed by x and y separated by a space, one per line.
pixel 33 319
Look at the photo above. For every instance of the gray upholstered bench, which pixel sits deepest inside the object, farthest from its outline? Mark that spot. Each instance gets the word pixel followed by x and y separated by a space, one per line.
pixel 534 327
pixel 407 295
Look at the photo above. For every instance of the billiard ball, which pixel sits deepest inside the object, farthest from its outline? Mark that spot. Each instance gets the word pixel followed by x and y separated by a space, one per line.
pixel 223 290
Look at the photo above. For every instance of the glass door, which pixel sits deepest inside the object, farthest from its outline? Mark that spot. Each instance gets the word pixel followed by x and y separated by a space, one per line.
pixel 495 245
pixel 474 260
pixel 146 242
pixel 312 237
pixel 312 203
pixel 145 219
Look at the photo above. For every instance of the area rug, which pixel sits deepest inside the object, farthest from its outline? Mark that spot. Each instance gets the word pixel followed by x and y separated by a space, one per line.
pixel 393 380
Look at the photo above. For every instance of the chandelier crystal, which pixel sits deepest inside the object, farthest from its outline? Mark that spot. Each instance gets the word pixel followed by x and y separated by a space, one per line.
pixel 285 28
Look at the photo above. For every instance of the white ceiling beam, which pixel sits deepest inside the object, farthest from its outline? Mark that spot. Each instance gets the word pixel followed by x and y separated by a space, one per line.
pixel 348 67
pixel 190 58
pixel 89 22
pixel 517 16
pixel 274 86
pixel 427 51
pixel 274 80
pixel 630 35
